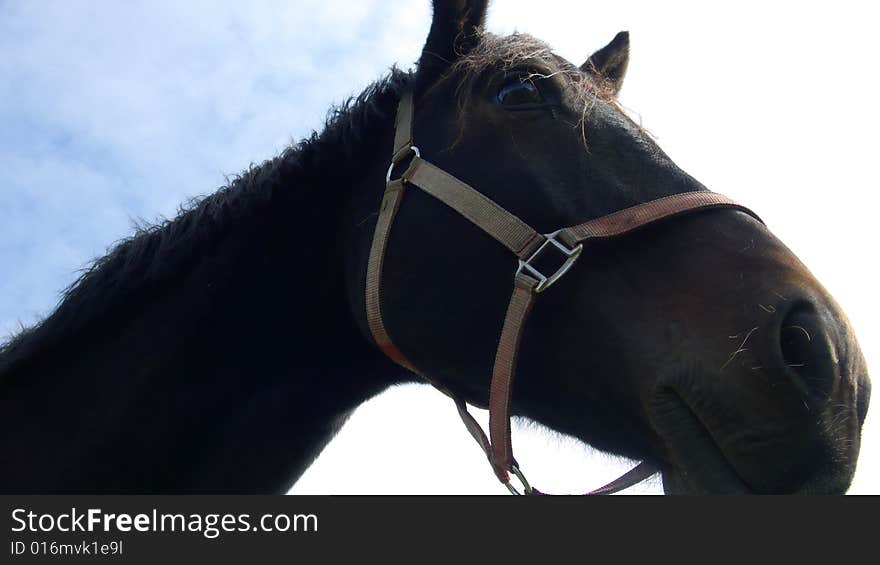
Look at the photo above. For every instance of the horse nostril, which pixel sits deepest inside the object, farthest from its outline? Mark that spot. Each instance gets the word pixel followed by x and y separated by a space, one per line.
pixel 805 349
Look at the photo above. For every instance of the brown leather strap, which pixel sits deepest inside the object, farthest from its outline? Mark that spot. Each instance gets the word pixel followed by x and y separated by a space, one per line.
pixel 475 429
pixel 391 200
pixel 502 373
pixel 510 231
pixel 403 137
pixel 632 477
pixel 634 217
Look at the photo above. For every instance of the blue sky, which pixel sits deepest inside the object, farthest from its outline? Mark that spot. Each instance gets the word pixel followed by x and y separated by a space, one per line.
pixel 113 113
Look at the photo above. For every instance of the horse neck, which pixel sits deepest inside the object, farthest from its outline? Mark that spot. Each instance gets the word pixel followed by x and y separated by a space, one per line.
pixel 231 375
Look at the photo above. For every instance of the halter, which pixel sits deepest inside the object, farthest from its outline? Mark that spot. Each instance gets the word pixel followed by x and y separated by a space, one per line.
pixel 527 245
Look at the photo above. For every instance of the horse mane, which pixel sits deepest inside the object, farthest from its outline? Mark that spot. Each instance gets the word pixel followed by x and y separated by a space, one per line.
pixel 155 253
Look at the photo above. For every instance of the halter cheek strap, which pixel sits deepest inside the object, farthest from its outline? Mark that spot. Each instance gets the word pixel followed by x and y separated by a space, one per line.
pixel 527 245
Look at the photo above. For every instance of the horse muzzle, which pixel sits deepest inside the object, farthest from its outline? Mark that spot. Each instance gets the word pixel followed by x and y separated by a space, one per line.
pixel 782 414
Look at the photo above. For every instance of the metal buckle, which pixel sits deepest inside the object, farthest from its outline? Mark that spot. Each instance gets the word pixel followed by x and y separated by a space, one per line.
pixel 544 282
pixel 527 488
pixel 394 161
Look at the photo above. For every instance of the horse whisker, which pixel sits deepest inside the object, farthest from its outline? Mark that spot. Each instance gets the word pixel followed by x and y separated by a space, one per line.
pixel 739 349
pixel 806 333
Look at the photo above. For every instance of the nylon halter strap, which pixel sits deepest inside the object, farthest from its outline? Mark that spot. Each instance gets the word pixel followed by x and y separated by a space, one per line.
pixel 527 245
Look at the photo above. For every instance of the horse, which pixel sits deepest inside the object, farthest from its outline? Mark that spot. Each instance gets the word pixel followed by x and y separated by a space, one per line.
pixel 222 350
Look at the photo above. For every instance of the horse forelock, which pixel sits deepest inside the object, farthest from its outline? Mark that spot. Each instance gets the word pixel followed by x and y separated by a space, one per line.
pixel 522 52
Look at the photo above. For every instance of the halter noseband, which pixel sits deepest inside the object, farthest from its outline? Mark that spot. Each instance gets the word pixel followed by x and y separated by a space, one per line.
pixel 527 244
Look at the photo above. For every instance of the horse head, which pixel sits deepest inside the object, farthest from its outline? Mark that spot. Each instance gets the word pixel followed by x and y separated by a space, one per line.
pixel 699 343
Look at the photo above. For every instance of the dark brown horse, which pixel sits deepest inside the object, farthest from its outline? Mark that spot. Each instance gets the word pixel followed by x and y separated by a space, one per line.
pixel 221 351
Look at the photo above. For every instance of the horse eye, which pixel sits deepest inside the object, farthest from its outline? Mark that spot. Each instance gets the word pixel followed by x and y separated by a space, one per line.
pixel 519 93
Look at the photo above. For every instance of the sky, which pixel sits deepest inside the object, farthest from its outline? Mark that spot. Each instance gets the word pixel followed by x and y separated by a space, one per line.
pixel 115 113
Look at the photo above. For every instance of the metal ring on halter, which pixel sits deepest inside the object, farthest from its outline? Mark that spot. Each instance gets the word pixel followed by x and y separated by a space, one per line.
pixel 399 157
pixel 527 488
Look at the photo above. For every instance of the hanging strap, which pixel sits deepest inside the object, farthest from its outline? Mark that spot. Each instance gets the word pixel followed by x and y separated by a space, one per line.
pixel 527 244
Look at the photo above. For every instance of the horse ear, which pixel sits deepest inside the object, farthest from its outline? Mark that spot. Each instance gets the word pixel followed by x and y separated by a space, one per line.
pixel 609 63
pixel 455 29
